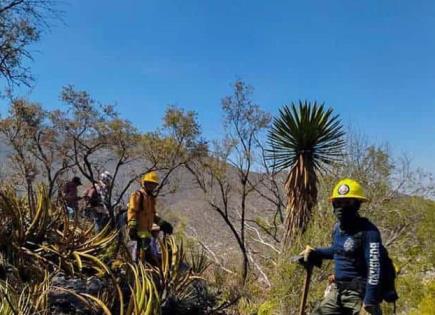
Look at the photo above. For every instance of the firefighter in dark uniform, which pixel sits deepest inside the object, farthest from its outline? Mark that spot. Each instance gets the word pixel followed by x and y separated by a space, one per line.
pixel 355 249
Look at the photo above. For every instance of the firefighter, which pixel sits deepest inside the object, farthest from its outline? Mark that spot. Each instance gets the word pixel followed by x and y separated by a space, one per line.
pixel 97 198
pixel 142 214
pixel 356 250
pixel 70 196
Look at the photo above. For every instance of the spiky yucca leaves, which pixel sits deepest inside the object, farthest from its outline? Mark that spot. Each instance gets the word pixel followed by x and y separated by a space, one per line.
pixel 144 299
pixel 80 250
pixel 21 229
pixel 20 223
pixel 305 139
pixel 47 237
pixel 32 242
pixel 152 286
pixel 198 261
pixel 172 280
pixel 92 303
pixel 30 300
pixel 35 241
pixel 175 279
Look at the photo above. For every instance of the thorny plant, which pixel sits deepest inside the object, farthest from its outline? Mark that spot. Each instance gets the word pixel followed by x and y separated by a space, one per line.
pixel 37 245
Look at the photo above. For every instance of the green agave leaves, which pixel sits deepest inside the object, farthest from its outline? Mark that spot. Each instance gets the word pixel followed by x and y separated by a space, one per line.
pixel 29 300
pixel 46 243
pixel 304 139
pixel 145 298
pixel 306 129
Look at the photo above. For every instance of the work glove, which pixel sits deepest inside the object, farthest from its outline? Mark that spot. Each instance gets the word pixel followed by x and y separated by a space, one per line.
pixel 132 232
pixel 166 227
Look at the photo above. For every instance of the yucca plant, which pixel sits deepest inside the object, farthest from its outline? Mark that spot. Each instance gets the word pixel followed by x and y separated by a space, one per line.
pixel 47 237
pixel 171 279
pixel 29 300
pixel 93 304
pixel 144 299
pixel 175 278
pixel 32 242
pixel 305 139
pixel 198 260
pixel 21 229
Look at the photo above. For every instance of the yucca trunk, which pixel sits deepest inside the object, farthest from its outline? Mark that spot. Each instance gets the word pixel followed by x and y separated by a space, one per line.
pixel 302 195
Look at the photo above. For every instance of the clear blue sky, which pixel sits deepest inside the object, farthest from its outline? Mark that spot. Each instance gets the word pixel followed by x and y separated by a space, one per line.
pixel 373 61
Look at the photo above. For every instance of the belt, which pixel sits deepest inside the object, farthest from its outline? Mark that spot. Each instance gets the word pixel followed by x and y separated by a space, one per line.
pixel 356 284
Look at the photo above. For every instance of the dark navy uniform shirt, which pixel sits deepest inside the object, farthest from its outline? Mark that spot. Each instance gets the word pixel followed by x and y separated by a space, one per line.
pixel 356 253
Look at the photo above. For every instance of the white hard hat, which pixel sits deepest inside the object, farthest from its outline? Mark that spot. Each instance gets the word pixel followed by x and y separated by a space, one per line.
pixel 105 176
pixel 155 227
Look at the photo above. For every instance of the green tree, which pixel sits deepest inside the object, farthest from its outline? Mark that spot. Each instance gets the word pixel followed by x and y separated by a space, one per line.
pixel 36 149
pixel 21 24
pixel 304 139
pixel 102 140
pixel 175 144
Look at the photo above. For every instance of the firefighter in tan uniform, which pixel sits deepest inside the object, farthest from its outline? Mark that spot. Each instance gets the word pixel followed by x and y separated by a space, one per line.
pixel 142 214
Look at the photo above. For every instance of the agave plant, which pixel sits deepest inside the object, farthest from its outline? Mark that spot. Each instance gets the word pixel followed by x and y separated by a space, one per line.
pixel 29 300
pixel 22 228
pixel 172 280
pixel 16 212
pixel 144 298
pixel 305 139
pixel 198 260
pixel 176 277
pixel 34 241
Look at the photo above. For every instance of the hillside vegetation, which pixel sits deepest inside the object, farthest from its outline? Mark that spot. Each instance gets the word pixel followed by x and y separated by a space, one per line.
pixel 227 202
pixel 243 203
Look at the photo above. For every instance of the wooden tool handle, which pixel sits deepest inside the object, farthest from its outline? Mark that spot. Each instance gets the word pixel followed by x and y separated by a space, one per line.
pixel 309 271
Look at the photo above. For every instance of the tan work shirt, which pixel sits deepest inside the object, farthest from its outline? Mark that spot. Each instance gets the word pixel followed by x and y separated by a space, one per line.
pixel 142 208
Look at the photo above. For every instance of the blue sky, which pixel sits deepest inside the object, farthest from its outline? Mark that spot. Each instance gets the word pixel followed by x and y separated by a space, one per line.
pixel 372 60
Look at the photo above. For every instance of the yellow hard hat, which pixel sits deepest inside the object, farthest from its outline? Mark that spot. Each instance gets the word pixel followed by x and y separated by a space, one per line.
pixel 151 177
pixel 348 188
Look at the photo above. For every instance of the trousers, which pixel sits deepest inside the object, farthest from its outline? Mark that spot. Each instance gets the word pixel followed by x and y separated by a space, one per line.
pixel 342 302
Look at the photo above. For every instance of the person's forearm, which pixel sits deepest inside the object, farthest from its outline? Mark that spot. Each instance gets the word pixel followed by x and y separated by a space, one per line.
pixel 324 252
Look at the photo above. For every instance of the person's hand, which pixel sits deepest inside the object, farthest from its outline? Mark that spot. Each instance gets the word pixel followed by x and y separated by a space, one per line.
pixel 331 279
pixel 306 253
pixel 166 227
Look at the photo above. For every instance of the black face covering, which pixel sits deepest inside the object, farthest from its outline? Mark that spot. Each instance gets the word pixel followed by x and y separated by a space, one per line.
pixel 346 215
pixel 150 189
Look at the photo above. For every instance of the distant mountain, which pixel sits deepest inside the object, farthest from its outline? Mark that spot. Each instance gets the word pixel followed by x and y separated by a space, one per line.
pixel 188 202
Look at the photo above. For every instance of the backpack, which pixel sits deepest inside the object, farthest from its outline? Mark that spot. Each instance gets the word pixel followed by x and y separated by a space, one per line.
pixel 94 197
